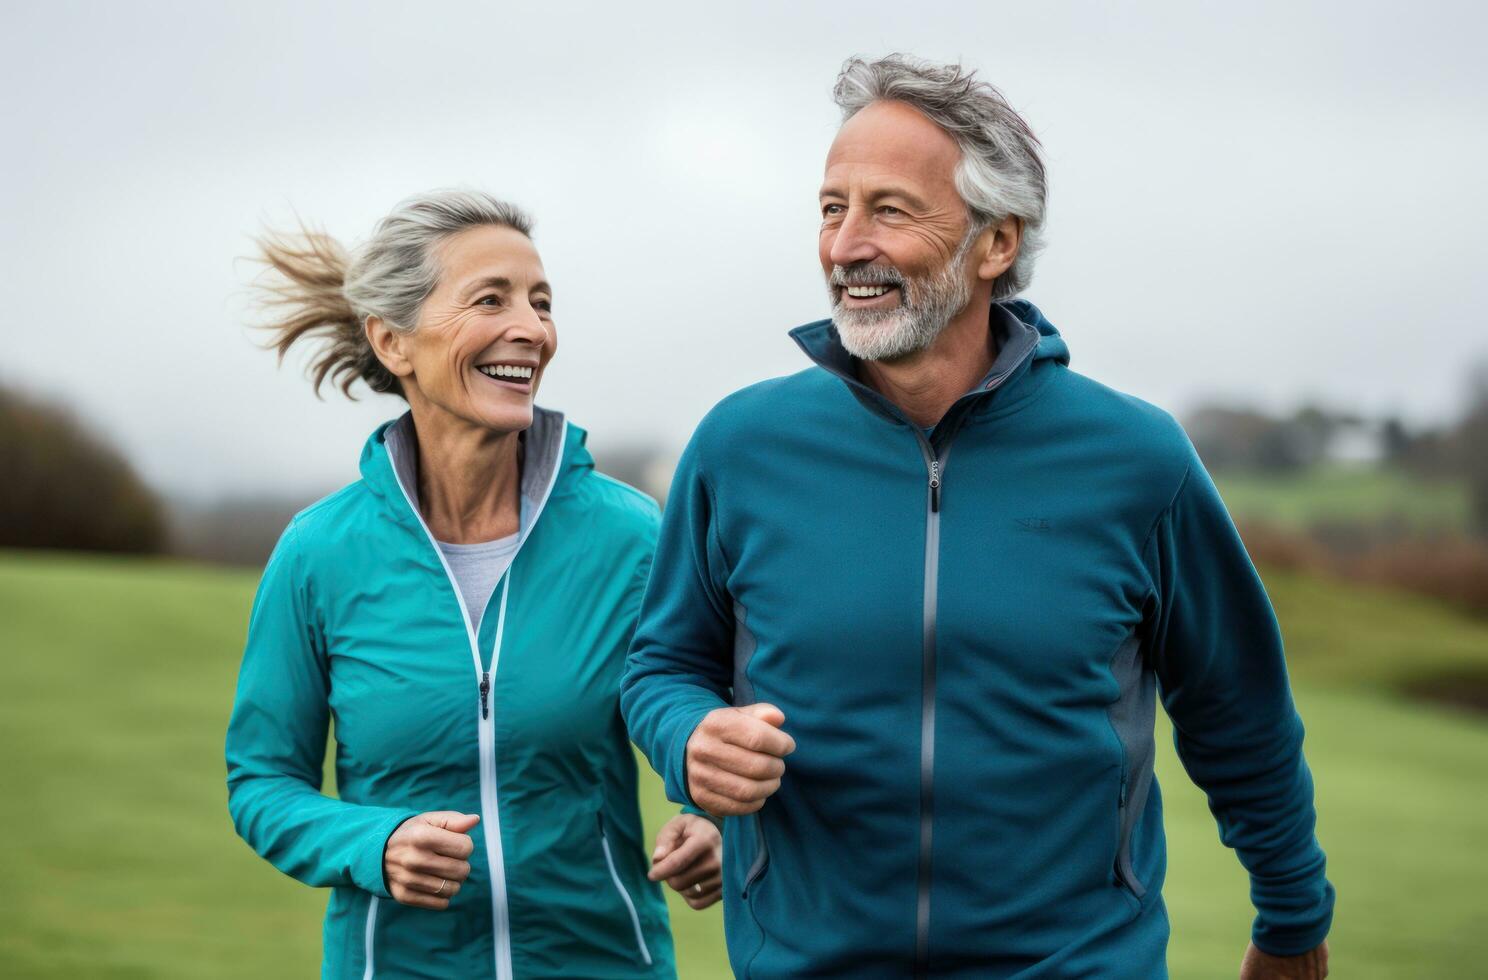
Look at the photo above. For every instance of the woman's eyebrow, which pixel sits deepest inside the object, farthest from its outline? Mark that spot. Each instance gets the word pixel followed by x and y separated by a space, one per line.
pixel 503 283
pixel 486 282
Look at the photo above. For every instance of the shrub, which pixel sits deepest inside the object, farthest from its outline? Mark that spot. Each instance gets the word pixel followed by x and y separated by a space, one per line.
pixel 66 488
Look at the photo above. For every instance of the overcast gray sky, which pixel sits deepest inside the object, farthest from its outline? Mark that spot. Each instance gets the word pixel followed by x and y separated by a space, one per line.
pixel 1264 202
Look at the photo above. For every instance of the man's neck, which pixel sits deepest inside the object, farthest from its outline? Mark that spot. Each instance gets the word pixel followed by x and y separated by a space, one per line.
pixel 924 385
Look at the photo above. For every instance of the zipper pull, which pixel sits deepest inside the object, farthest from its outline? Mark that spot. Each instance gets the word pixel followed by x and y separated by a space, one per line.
pixel 935 485
pixel 485 691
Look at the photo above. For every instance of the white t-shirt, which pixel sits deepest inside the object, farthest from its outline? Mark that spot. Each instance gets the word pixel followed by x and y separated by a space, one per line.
pixel 477 568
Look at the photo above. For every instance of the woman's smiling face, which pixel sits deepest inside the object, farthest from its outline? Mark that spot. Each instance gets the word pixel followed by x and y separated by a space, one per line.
pixel 484 335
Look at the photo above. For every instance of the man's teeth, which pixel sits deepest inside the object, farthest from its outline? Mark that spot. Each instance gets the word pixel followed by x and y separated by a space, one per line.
pixel 511 371
pixel 865 292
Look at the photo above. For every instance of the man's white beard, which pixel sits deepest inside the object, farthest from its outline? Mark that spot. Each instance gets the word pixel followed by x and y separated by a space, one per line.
pixel 926 307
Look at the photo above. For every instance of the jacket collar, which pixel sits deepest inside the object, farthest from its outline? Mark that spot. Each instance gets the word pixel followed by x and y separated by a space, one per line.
pixel 552 449
pixel 1023 335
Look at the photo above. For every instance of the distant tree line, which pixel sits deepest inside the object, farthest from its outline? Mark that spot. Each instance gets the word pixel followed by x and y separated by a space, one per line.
pixel 64 487
pixel 1248 439
pixel 1229 438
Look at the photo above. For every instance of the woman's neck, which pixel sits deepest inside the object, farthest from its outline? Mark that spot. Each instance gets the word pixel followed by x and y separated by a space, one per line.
pixel 469 479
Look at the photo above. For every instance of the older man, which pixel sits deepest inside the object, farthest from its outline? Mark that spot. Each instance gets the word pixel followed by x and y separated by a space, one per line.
pixel 913 606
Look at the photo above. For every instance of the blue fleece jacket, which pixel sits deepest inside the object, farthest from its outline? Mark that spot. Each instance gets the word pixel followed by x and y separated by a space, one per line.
pixel 968 632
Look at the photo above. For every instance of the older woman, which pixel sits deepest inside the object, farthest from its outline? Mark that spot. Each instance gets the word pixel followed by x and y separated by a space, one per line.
pixel 462 612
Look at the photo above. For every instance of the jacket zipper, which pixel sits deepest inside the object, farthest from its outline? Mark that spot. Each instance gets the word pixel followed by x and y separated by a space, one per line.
pixel 935 469
pixel 485 726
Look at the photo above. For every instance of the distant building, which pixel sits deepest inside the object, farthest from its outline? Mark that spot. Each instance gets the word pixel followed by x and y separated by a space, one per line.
pixel 1355 443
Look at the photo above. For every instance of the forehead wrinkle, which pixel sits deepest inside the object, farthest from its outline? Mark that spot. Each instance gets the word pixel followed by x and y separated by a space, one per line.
pixel 895 138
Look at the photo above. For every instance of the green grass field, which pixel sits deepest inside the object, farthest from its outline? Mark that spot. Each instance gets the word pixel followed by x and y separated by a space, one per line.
pixel 1339 494
pixel 116 678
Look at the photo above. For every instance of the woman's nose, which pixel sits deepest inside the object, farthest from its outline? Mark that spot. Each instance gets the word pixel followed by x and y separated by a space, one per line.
pixel 526 325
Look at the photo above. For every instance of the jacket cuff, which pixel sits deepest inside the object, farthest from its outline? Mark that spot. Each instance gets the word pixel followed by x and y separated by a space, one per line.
pixel 675 777
pixel 1296 927
pixel 697 811
pixel 367 871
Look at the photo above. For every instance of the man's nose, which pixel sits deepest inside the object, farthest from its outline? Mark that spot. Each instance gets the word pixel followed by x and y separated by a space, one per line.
pixel 853 241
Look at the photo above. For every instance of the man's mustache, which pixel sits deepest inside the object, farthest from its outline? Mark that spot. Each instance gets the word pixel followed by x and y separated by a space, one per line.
pixel 865 274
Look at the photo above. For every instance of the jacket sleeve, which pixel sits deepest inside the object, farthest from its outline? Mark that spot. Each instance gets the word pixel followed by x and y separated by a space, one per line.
pixel 632 608
pixel 276 745
pixel 680 665
pixel 1217 651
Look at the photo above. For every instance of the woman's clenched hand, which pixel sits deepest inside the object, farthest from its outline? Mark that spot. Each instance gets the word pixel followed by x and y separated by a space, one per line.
pixel 424 862
pixel 689 858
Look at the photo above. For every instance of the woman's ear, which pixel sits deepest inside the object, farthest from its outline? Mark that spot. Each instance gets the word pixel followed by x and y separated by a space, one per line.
pixel 999 247
pixel 388 344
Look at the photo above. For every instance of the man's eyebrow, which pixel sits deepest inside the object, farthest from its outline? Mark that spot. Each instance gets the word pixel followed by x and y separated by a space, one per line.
pixel 907 197
pixel 876 194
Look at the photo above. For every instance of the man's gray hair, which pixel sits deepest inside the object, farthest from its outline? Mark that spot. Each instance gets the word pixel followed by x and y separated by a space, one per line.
pixel 1000 173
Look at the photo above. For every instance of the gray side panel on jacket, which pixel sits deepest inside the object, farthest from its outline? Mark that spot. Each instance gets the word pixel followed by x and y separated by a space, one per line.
pixel 743 653
pixel 1132 716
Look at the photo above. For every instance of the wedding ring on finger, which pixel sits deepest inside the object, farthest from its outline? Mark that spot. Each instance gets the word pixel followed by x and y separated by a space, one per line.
pixel 697 889
pixel 443 884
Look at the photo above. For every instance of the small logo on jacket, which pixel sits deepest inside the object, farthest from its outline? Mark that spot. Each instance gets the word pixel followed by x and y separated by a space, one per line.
pixel 1033 523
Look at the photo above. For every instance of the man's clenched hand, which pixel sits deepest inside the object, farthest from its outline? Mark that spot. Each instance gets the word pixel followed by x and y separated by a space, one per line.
pixel 735 758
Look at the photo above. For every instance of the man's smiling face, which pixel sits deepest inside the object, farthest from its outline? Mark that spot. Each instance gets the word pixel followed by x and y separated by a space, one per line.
pixel 894 233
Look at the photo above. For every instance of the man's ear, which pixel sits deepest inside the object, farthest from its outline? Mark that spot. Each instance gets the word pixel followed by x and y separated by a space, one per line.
pixel 387 344
pixel 998 247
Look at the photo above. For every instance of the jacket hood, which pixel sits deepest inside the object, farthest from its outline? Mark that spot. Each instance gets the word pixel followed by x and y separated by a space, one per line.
pixel 1051 345
pixel 554 455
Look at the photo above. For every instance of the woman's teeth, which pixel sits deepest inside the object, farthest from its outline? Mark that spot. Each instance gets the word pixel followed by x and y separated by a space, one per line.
pixel 508 371
pixel 864 292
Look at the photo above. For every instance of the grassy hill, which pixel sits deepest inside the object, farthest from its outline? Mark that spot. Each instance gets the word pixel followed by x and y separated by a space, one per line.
pixel 116 677
pixel 1343 494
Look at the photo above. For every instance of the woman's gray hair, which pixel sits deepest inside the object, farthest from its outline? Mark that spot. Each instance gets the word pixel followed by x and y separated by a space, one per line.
pixel 318 291
pixel 1000 173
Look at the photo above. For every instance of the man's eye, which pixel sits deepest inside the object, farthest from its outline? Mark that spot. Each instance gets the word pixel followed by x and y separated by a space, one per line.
pixel 890 210
pixel 546 305
pixel 832 210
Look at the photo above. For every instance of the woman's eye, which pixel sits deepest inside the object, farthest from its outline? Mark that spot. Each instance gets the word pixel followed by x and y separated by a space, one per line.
pixel 492 300
pixel 546 305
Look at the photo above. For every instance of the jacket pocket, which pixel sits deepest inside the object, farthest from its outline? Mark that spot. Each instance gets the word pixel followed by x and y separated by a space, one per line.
pixel 761 855
pixel 369 939
pixel 635 918
pixel 1126 877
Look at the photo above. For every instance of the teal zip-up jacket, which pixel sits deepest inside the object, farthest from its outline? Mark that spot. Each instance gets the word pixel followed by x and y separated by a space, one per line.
pixel 967 630
pixel 516 719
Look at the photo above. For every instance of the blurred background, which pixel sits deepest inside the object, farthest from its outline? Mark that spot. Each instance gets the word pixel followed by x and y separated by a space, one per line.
pixel 1266 218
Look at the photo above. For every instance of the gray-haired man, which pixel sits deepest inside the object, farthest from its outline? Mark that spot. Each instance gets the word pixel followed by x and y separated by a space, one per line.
pixel 921 686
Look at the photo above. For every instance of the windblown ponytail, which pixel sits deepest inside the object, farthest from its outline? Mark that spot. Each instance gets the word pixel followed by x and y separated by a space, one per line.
pixel 314 290
pixel 304 290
